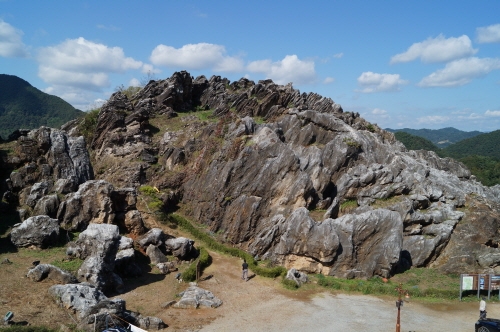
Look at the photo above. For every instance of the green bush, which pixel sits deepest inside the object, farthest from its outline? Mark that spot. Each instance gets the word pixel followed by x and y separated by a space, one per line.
pixel 204 260
pixel 289 284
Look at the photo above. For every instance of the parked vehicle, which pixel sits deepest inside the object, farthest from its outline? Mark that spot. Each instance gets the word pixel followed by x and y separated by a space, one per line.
pixel 488 325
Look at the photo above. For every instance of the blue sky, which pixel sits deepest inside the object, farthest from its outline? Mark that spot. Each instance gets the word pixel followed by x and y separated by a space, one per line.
pixel 415 64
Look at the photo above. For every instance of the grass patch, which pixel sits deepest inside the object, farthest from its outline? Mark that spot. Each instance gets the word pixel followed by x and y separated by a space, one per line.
pixel 421 283
pixel 348 205
pixel 385 202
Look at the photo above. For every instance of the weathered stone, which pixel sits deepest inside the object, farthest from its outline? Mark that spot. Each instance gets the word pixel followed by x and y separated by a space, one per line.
pixel 180 247
pixel 155 255
pixel 194 297
pixel 43 271
pixel 98 246
pixel 39 231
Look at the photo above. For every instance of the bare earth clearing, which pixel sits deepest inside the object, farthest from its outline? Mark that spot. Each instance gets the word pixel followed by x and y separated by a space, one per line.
pixel 260 304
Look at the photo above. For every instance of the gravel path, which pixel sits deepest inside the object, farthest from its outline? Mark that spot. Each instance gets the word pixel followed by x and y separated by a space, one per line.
pixel 262 305
pixel 341 312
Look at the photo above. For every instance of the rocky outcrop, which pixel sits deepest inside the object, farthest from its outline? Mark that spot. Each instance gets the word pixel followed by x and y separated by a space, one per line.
pixel 288 176
pixel 97 246
pixel 92 308
pixel 97 201
pixel 38 231
pixel 48 155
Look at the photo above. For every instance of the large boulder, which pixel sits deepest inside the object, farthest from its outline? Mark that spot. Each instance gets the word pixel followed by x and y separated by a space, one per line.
pixel 38 231
pixel 180 247
pixel 194 297
pixel 48 271
pixel 98 246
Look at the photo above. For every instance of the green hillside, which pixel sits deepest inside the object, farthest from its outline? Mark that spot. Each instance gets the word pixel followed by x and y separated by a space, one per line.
pixel 439 137
pixel 482 145
pixel 412 142
pixel 24 106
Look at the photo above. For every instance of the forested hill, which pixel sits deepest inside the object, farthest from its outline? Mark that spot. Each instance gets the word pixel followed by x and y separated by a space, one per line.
pixel 24 106
pixel 481 145
pixel 439 137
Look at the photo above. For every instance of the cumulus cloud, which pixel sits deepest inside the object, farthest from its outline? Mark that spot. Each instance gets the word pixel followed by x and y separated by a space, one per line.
pixel 460 72
pixel 432 119
pixel 439 49
pixel 492 113
pixel 134 82
pixel 489 34
pixel 374 82
pixel 379 112
pixel 11 45
pixel 82 63
pixel 196 57
pixel 328 80
pixel 290 69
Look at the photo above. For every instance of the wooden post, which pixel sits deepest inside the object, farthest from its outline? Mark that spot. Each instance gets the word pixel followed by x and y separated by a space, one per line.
pixel 198 272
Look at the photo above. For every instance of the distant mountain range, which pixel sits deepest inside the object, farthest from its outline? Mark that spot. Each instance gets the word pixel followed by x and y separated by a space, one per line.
pixel 23 106
pixel 439 137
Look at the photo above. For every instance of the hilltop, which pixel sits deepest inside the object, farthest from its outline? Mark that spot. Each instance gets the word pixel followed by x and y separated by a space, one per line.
pixel 23 106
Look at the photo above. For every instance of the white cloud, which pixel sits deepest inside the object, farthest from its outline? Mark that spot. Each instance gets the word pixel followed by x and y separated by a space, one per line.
pixel 11 45
pixel 290 69
pixel 134 82
pixel 82 63
pixel 492 113
pixel 489 34
pixel 196 57
pixel 432 119
pixel 149 69
pixel 460 72
pixel 338 55
pixel 379 112
pixel 374 82
pixel 439 49
pixel 328 80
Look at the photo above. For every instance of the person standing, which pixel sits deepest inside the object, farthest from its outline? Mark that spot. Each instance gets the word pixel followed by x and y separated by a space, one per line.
pixel 482 308
pixel 244 266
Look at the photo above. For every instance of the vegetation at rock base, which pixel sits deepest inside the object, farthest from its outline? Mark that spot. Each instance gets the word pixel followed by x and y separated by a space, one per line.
pixel 204 260
pixel 210 242
pixel 23 106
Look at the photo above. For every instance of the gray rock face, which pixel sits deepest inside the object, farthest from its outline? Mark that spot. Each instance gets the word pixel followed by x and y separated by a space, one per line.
pixel 97 201
pixel 194 297
pixel 38 231
pixel 44 271
pixel 49 155
pixel 97 246
pixel 155 255
pixel 155 237
pixel 180 247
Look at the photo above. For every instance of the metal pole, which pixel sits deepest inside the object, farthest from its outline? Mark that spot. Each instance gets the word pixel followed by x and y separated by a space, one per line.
pixel 399 304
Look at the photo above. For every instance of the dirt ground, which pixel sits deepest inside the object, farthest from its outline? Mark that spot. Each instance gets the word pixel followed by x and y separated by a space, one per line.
pixel 261 304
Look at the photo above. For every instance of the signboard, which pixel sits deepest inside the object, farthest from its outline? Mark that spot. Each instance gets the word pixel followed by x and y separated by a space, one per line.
pixel 495 282
pixel 468 282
